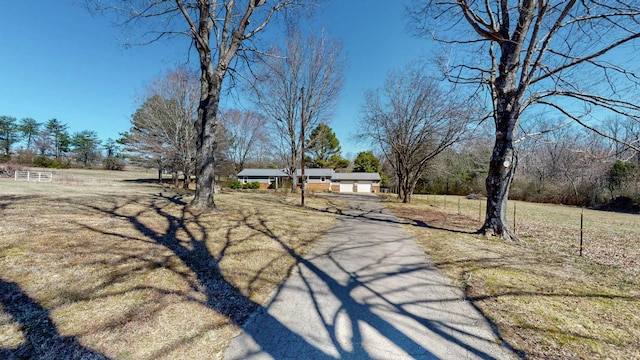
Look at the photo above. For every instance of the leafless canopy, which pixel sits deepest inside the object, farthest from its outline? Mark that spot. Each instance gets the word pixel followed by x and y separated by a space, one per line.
pixel 246 134
pixel 163 131
pixel 411 119
pixel 312 63
pixel 571 58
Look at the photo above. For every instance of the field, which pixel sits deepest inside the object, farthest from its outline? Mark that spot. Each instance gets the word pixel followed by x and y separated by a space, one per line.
pixel 104 264
pixel 110 264
pixel 546 301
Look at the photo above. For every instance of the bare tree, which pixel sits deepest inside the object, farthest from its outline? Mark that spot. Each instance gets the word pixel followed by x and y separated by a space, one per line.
pixel 298 87
pixel 530 54
pixel 219 30
pixel 412 120
pixel 163 131
pixel 568 165
pixel 246 132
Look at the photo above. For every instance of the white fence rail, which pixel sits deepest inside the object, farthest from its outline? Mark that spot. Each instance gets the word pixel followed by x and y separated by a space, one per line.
pixel 39 176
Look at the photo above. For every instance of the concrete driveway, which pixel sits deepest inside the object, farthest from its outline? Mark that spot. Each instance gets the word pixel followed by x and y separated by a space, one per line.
pixel 367 291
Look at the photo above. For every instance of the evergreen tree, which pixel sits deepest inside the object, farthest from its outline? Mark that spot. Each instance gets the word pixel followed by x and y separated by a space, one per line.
pixel 8 134
pixel 29 127
pixel 366 161
pixel 85 146
pixel 59 136
pixel 324 147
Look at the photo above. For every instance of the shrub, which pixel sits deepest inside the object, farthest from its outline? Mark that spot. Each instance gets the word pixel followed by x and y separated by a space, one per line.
pixel 42 161
pixel 254 185
pixel 113 164
pixel 235 184
pixel 60 164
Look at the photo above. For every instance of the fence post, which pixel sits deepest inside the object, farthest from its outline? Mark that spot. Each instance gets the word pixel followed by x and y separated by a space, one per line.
pixel 458 206
pixel 514 217
pixel 581 230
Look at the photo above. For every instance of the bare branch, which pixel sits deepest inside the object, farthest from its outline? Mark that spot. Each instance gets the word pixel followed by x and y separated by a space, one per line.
pixel 585 125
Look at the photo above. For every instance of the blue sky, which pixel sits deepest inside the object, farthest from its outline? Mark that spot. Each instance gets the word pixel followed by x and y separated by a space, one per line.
pixel 59 61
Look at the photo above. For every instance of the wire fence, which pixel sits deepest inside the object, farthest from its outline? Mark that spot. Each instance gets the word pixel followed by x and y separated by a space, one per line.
pixel 566 225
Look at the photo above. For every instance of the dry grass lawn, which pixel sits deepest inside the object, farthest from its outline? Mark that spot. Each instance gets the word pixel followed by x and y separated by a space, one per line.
pixel 94 264
pixel 545 300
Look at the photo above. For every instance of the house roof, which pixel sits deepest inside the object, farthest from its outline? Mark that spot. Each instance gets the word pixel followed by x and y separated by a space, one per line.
pixel 329 173
pixel 356 176
pixel 261 172
pixel 316 172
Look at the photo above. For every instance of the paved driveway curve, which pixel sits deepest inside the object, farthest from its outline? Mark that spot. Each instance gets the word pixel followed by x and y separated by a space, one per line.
pixel 367 291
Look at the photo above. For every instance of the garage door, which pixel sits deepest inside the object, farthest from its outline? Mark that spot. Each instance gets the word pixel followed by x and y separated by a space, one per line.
pixel 346 187
pixel 364 188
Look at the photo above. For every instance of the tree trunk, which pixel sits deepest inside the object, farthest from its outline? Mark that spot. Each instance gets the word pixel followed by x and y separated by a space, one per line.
pixel 407 196
pixel 207 143
pixel 411 187
pixel 400 177
pixel 405 191
pixel 187 177
pixel 506 104
pixel 406 185
pixel 501 172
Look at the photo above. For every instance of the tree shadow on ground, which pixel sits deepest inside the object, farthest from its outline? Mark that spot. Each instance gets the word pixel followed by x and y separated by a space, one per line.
pixel 222 296
pixel 359 314
pixel 382 214
pixel 6 201
pixel 185 233
pixel 41 338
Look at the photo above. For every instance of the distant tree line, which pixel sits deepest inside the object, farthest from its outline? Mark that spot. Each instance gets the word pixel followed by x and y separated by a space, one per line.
pixel 571 165
pixel 49 144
